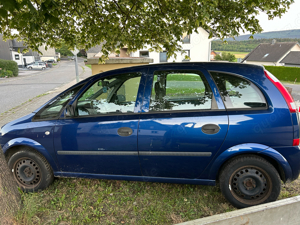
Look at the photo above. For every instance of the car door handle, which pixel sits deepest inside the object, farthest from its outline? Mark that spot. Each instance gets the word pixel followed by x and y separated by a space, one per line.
pixel 125 131
pixel 210 129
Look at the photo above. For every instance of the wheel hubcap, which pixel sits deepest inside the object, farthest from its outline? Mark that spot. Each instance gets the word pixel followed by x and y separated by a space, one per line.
pixel 27 172
pixel 250 184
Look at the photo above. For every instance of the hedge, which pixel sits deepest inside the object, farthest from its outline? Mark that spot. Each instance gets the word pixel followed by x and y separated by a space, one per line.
pixel 9 65
pixel 285 73
pixel 6 73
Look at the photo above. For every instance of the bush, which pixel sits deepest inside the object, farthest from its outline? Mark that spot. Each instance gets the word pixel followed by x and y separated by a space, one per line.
pixel 285 73
pixel 58 59
pixel 6 73
pixel 9 65
pixel 226 56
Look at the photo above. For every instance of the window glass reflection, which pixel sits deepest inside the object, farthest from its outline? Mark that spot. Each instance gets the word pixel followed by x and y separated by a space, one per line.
pixel 180 90
pixel 238 93
pixel 115 94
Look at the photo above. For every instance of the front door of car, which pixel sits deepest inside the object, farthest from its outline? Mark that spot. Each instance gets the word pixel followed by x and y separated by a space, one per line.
pixel 101 136
pixel 183 122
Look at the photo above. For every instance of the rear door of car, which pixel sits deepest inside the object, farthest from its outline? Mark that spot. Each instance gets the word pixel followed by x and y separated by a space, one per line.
pixel 183 122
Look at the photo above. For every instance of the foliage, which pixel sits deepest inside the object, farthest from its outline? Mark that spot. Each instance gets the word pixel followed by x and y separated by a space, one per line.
pixel 226 56
pixel 245 46
pixel 64 50
pixel 82 53
pixel 58 59
pixel 289 74
pixel 131 23
pixel 6 73
pixel 9 65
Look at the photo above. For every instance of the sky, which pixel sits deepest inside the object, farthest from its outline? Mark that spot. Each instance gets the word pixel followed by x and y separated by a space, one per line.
pixel 290 20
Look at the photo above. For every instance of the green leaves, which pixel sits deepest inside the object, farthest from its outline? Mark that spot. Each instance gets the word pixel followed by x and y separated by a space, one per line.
pixel 131 23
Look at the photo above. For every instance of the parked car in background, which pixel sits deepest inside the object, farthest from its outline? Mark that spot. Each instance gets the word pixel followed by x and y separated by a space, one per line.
pixel 193 123
pixel 50 61
pixel 37 65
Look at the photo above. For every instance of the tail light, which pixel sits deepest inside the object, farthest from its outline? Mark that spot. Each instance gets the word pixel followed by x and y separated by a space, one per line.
pixel 296 142
pixel 287 96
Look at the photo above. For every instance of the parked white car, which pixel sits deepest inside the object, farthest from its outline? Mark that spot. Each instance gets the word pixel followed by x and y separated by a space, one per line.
pixel 37 65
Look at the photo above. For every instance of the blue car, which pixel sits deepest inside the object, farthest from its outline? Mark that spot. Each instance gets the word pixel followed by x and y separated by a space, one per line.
pixel 189 123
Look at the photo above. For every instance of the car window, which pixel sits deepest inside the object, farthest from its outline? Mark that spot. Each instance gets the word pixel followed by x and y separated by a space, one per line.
pixel 238 93
pixel 180 90
pixel 115 94
pixel 53 109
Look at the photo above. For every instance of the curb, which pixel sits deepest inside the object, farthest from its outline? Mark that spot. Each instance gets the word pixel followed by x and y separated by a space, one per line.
pixel 282 212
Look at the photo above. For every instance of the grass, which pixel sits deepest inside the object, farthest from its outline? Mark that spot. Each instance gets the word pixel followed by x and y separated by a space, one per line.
pixel 87 201
pixel 89 66
pixel 54 64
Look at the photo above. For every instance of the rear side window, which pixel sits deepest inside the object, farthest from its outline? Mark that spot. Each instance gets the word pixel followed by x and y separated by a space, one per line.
pixel 238 93
pixel 180 90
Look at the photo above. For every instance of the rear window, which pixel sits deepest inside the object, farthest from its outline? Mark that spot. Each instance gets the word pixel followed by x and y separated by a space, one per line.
pixel 239 93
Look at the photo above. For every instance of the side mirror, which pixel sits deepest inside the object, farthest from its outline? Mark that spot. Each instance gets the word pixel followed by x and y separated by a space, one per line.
pixel 69 111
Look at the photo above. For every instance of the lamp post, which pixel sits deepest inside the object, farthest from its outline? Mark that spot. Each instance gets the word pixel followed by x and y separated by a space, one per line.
pixel 75 52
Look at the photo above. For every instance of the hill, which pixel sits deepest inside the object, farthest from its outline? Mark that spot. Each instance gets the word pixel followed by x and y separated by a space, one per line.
pixel 245 46
pixel 293 34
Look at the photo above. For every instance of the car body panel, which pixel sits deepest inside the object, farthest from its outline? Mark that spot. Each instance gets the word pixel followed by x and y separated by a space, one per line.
pixel 268 132
pixel 243 149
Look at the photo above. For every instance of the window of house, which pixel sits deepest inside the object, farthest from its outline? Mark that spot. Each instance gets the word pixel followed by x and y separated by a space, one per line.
pixel 17 57
pixel 185 55
pixel 115 94
pixel 144 53
pixel 186 38
pixel 238 93
pixel 163 57
pixel 180 90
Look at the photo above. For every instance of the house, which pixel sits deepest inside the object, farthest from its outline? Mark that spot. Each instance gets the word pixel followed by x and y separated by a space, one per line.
pixel 47 53
pixel 271 54
pixel 10 50
pixel 197 46
pixel 213 54
pixel 292 59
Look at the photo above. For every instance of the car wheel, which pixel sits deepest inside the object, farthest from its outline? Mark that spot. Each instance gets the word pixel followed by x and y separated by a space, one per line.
pixel 31 170
pixel 30 68
pixel 43 68
pixel 249 180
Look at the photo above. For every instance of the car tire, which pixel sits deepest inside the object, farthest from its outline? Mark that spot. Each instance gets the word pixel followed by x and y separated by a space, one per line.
pixel 249 180
pixel 30 68
pixel 43 68
pixel 31 170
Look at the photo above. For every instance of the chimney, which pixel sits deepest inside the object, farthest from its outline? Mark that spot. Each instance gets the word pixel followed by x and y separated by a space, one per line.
pixel 273 41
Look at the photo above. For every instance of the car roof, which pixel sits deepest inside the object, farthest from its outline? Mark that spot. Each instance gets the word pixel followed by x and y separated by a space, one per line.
pixel 247 70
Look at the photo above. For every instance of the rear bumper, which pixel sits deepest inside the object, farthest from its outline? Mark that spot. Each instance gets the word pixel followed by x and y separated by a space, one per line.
pixel 292 156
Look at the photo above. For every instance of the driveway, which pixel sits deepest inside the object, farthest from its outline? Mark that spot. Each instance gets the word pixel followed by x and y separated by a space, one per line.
pixel 17 90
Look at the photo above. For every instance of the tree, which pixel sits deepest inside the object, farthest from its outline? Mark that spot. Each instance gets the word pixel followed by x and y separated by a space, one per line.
pixel 10 198
pixel 119 23
pixel 131 23
pixel 226 56
pixel 64 50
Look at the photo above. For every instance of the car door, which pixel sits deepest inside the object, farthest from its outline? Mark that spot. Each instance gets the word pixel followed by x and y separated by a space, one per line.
pixel 101 136
pixel 183 122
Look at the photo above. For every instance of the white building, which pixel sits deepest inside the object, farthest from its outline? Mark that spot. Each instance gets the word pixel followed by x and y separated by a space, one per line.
pixel 196 45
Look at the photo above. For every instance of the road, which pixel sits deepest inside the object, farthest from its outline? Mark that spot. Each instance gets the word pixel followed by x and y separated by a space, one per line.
pixel 295 91
pixel 29 84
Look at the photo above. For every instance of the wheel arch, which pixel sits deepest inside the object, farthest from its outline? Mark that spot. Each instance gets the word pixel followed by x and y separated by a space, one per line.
pixel 16 145
pixel 269 154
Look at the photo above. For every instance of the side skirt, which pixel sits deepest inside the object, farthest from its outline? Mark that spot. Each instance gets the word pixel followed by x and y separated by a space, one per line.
pixel 136 178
